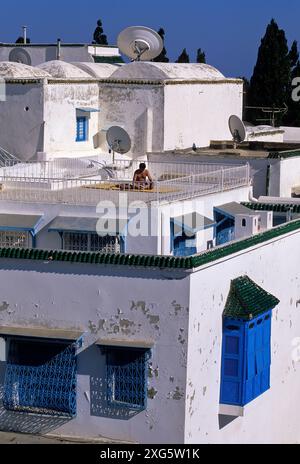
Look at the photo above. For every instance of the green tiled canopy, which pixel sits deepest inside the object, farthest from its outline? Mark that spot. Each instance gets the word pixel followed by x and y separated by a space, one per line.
pixel 247 300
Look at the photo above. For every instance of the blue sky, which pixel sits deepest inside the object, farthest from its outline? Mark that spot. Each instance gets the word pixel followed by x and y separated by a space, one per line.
pixel 229 31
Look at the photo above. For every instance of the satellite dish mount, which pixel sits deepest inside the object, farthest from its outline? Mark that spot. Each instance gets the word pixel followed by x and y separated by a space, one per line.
pixel 237 129
pixel 118 140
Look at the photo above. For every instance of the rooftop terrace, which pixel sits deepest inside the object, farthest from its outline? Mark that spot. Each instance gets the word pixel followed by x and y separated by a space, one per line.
pixel 87 182
pixel 217 149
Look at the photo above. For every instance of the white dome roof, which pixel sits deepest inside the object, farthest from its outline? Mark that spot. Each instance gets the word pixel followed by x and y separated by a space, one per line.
pixel 20 71
pixel 98 70
pixel 62 70
pixel 162 71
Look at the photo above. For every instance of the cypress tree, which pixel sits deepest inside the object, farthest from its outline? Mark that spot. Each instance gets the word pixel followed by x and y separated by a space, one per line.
pixel 99 37
pixel 293 116
pixel 184 57
pixel 162 58
pixel 201 57
pixel 269 85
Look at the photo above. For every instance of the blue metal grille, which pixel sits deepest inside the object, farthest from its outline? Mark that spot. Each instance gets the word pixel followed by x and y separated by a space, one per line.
pixel 127 378
pixel 47 389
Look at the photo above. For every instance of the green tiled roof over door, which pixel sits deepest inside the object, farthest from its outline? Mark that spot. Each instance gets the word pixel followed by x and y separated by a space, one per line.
pixel 247 300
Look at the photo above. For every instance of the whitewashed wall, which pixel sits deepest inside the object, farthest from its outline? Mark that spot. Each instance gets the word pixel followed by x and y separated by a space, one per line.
pixel 114 303
pixel 199 113
pixel 22 132
pixel 139 109
pixel 291 135
pixel 61 101
pixel 289 176
pixel 274 417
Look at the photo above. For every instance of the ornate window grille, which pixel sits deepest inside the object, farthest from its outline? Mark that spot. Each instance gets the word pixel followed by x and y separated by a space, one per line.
pixel 11 239
pixel 127 378
pixel 35 386
pixel 91 242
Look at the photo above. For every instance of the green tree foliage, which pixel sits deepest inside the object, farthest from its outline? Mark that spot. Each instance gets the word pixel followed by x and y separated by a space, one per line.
pixel 99 37
pixel 184 57
pixel 270 83
pixel 293 116
pixel 201 57
pixel 162 58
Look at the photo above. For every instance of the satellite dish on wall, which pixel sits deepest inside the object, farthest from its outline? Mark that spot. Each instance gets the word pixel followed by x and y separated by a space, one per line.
pixel 118 140
pixel 19 55
pixel 237 129
pixel 140 43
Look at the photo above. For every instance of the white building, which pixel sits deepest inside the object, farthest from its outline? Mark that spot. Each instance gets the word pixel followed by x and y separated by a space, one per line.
pixel 146 98
pixel 120 295
pixel 34 54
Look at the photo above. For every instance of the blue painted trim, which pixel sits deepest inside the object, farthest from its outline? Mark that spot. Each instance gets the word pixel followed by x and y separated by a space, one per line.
pixel 17 229
pixel 216 210
pixel 84 129
pixel 189 229
pixel 88 110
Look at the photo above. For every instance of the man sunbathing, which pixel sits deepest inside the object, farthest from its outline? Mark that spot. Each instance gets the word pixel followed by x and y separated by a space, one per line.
pixel 142 179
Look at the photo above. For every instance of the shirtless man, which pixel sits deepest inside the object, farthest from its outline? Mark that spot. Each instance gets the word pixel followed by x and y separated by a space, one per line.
pixel 142 178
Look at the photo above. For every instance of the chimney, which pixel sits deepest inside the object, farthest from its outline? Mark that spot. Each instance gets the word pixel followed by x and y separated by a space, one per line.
pixel 24 34
pixel 58 56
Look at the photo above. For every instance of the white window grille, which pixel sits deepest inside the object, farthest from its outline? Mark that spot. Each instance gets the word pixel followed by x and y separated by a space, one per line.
pixel 91 242
pixel 10 239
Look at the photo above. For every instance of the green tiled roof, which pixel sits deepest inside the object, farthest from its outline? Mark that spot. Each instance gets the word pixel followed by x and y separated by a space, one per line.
pixel 247 300
pixel 108 59
pixel 275 207
pixel 166 262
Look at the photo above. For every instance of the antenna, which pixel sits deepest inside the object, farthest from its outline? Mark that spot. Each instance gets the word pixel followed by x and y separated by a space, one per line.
pixel 237 129
pixel 140 43
pixel 118 140
pixel 272 111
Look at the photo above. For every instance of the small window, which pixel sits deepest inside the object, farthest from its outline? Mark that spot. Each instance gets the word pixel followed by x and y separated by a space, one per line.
pixel 210 245
pixel 127 378
pixel 81 129
pixel 92 242
pixel 244 223
pixel 10 239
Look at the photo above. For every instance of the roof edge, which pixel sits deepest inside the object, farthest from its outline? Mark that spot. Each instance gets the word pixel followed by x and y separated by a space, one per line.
pixel 151 261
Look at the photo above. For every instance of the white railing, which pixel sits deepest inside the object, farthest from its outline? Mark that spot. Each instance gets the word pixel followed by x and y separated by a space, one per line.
pixel 84 191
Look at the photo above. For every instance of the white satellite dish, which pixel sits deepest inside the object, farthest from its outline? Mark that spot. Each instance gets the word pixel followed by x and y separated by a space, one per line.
pixel 140 43
pixel 118 140
pixel 237 129
pixel 19 55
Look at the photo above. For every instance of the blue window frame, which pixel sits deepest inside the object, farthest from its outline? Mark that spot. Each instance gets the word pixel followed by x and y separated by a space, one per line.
pixel 81 129
pixel 182 245
pixel 41 377
pixel 246 359
pixel 127 371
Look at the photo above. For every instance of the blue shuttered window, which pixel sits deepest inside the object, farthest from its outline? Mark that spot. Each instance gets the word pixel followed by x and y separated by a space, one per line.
pixel 246 359
pixel 81 129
